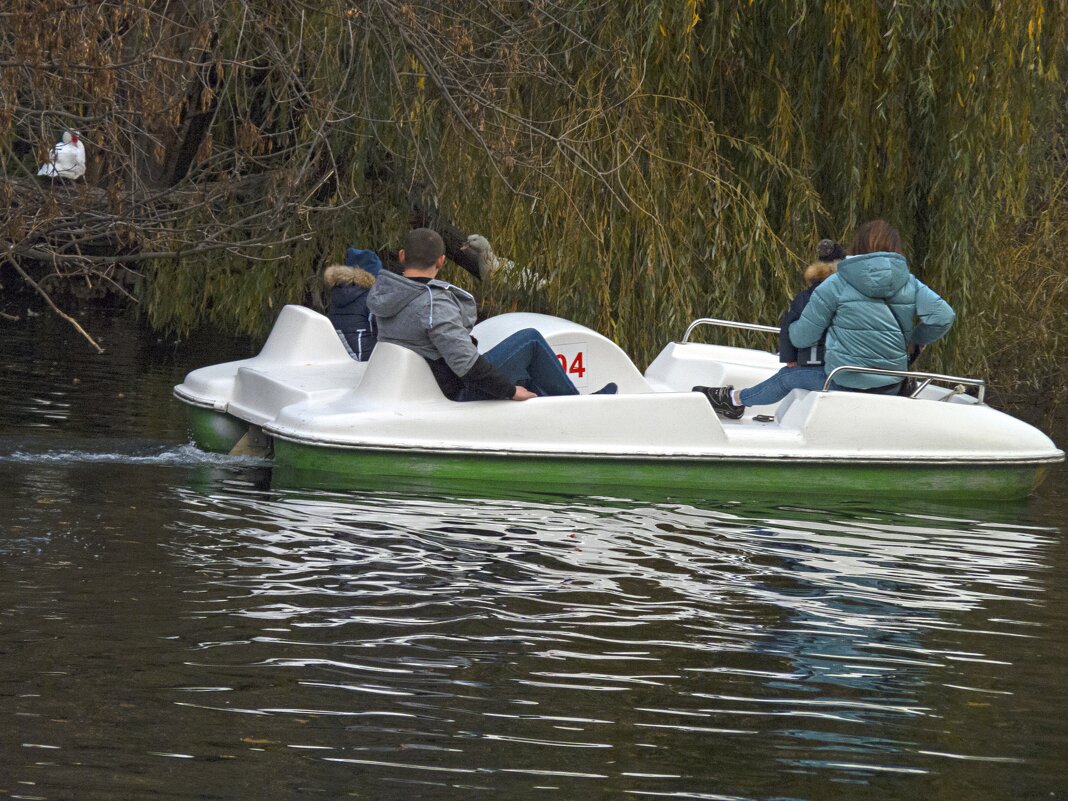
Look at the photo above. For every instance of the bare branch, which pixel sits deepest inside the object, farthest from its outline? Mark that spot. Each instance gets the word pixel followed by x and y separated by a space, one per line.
pixel 59 312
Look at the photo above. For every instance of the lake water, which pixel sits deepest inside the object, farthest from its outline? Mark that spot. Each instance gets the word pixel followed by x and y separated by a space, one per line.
pixel 173 625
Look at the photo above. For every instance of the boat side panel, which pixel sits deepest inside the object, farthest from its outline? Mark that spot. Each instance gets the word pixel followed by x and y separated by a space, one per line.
pixel 297 463
pixel 858 425
pixel 641 424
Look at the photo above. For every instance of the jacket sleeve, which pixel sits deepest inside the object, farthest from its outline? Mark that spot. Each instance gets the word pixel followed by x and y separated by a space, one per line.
pixel 935 315
pixel 787 351
pixel 487 378
pixel 448 334
pixel 453 341
pixel 817 316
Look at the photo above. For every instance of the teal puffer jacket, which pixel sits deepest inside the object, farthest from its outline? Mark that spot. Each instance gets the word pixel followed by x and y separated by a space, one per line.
pixel 869 309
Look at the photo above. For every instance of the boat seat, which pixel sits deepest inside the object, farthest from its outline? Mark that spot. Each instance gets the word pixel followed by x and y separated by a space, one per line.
pixel 396 376
pixel 680 366
pixel 259 393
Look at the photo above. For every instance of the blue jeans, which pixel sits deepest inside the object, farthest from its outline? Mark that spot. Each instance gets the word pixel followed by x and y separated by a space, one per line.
pixel 774 389
pixel 525 358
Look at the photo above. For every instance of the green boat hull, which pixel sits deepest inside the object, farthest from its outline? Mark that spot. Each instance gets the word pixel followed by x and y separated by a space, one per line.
pixel 214 431
pixel 302 464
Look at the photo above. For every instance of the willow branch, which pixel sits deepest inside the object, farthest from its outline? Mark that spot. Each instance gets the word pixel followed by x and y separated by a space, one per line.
pixel 37 287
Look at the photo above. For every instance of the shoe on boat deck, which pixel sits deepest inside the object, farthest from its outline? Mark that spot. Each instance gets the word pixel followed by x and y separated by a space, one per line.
pixel 608 389
pixel 720 398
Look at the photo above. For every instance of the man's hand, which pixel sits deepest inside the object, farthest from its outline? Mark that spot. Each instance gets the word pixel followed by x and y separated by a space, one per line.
pixel 522 393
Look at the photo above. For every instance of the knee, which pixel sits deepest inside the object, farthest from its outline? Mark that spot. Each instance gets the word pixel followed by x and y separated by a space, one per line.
pixel 531 335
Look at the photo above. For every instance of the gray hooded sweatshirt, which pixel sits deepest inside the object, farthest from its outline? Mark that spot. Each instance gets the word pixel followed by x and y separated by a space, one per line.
pixel 434 319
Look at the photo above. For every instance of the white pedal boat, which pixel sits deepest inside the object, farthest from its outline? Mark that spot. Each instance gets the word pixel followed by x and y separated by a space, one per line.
pixel 320 411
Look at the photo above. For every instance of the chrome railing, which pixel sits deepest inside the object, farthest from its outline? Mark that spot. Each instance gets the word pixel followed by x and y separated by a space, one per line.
pixel 923 378
pixel 771 329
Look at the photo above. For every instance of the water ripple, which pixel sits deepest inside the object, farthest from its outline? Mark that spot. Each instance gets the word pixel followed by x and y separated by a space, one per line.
pixel 431 624
pixel 162 455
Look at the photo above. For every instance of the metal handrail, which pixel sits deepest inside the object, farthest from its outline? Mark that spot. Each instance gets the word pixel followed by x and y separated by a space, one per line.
pixel 771 329
pixel 926 378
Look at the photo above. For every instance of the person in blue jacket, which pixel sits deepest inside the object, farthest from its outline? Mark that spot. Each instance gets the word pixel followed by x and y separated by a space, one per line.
pixel 804 366
pixel 348 285
pixel 873 309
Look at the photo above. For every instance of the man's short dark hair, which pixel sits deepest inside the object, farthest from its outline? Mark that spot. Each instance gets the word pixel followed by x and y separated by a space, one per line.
pixel 422 248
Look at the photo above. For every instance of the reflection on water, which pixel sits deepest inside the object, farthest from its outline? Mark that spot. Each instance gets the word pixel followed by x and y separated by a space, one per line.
pixel 174 626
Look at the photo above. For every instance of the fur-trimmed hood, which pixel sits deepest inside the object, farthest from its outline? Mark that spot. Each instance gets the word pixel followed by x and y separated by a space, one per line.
pixel 340 275
pixel 818 271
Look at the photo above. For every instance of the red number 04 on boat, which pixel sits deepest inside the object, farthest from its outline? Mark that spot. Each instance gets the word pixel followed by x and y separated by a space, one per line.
pixel 572 357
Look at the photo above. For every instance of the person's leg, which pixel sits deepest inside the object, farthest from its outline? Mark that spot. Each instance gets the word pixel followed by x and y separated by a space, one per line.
pixel 526 356
pixel 778 386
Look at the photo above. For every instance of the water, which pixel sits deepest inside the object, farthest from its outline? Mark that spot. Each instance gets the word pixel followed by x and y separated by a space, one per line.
pixel 174 626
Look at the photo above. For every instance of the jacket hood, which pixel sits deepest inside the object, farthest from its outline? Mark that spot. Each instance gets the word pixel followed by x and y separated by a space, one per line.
pixel 875 275
pixel 819 270
pixel 392 293
pixel 338 275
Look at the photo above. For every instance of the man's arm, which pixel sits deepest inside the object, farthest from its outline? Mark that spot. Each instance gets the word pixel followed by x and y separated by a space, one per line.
pixel 453 341
pixel 484 377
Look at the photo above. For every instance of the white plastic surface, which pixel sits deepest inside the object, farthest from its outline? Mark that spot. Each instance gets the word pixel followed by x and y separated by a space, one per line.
pixel 303 357
pixel 304 386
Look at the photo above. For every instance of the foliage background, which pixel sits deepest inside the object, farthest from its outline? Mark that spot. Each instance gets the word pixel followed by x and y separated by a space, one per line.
pixel 655 161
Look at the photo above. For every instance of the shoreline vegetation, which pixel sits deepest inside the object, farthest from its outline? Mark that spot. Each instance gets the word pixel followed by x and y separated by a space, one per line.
pixel 653 163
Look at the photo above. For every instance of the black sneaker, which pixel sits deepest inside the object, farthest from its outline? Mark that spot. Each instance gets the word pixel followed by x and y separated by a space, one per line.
pixel 608 389
pixel 720 398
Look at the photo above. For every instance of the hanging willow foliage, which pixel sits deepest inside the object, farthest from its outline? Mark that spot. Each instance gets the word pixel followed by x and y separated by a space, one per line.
pixel 655 161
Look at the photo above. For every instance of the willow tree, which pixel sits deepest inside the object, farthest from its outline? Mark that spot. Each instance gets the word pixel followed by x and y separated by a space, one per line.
pixel 653 161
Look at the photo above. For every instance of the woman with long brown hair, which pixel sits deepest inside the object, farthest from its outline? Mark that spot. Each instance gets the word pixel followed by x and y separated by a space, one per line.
pixel 872 309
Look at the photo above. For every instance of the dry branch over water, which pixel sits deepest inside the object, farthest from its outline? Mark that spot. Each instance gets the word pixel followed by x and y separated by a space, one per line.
pixel 654 162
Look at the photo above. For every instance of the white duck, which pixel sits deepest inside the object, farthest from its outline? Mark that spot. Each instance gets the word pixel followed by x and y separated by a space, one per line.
pixel 490 266
pixel 67 159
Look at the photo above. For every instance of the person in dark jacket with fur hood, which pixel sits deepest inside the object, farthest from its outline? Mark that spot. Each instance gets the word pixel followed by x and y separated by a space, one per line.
pixel 804 366
pixel 348 285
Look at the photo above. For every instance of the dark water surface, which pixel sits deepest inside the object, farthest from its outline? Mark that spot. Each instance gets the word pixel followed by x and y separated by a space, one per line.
pixel 173 626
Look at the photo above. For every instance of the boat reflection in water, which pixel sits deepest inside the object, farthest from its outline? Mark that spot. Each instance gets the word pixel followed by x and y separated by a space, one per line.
pixel 665 647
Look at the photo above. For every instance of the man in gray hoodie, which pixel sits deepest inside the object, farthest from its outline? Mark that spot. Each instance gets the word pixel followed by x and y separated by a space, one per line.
pixel 435 318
